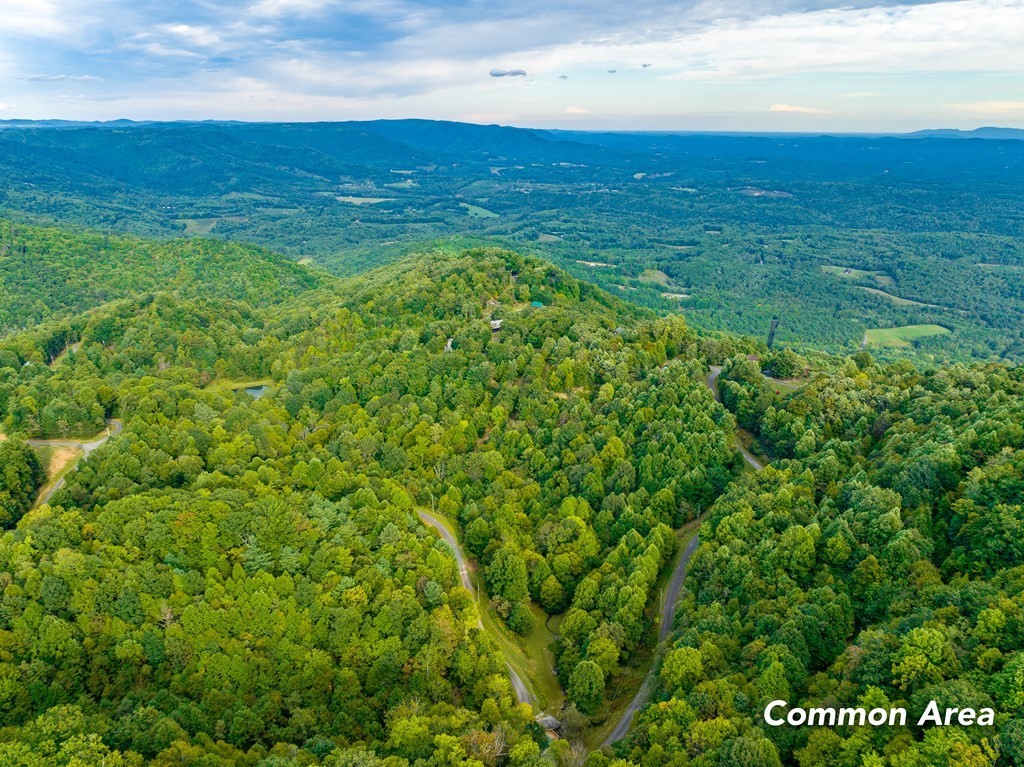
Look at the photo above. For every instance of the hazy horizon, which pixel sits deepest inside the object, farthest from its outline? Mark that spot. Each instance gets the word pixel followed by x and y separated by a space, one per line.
pixel 780 66
pixel 571 129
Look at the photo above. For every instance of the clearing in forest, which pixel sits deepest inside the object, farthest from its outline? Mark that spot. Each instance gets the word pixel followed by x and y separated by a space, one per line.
pixel 902 336
pixel 364 200
pixel 198 226
pixel 655 276
pixel 475 211
pixel 848 273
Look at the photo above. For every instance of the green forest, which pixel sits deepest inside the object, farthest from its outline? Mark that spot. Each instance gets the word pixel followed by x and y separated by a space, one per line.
pixel 232 568
pixel 847 240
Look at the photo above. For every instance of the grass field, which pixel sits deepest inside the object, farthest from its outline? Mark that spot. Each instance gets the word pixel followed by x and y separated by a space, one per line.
pixel 655 276
pixel 198 226
pixel 58 462
pixel 859 274
pixel 783 387
pixel 902 336
pixel 228 385
pixel 364 200
pixel 896 299
pixel 475 211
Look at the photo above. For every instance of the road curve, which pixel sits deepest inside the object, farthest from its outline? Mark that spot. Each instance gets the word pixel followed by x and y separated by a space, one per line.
pixel 672 596
pixel 114 427
pixel 668 611
pixel 712 382
pixel 523 695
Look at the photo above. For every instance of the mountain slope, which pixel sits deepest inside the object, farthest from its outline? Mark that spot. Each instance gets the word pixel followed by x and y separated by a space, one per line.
pixel 50 273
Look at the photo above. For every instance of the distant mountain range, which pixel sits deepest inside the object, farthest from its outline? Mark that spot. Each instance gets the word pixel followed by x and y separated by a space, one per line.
pixel 428 130
pixel 988 133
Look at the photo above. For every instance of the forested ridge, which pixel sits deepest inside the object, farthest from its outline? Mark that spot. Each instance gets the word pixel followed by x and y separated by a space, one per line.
pixel 876 563
pixel 228 574
pixel 239 580
pixel 834 235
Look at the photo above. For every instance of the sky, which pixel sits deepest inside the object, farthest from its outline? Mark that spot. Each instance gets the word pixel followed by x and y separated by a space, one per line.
pixel 772 65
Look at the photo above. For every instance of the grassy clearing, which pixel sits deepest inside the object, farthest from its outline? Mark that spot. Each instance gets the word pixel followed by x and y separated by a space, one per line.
pixel 904 335
pixel 784 387
pixel 532 656
pixel 896 299
pixel 307 261
pixel 246 196
pixel 848 273
pixel 548 238
pixel 58 462
pixel 475 211
pixel 654 276
pixel 364 200
pixel 198 226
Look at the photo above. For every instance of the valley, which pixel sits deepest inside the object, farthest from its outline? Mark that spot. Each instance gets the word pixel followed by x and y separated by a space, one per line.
pixel 396 497
pixel 677 223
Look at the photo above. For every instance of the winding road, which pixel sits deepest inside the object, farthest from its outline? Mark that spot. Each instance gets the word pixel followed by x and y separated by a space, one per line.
pixel 114 427
pixel 668 607
pixel 522 693
pixel 712 382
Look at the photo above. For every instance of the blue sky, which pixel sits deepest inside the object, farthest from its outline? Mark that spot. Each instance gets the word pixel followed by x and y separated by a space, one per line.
pixel 646 64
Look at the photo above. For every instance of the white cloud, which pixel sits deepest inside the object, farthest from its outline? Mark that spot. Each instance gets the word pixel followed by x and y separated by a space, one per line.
pixel 576 111
pixel 32 18
pixel 419 57
pixel 59 78
pixel 801 110
pixel 955 36
pixel 194 35
pixel 395 10
pixel 990 107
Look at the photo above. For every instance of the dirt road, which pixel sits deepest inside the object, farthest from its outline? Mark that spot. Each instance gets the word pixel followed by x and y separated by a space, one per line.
pixel 522 693
pixel 712 382
pixel 114 427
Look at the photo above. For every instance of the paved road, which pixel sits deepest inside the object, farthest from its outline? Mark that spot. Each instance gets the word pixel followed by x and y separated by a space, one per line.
pixel 114 427
pixel 522 693
pixel 668 611
pixel 715 371
pixel 668 608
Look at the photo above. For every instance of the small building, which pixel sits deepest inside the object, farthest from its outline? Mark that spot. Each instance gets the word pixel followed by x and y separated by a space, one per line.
pixel 552 727
pixel 495 326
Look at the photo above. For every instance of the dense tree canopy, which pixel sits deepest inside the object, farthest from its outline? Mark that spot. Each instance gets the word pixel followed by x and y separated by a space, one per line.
pixel 875 563
pixel 240 577
pixel 230 574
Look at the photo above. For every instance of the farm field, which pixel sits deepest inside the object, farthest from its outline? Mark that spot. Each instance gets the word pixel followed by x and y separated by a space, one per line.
pixel 902 336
